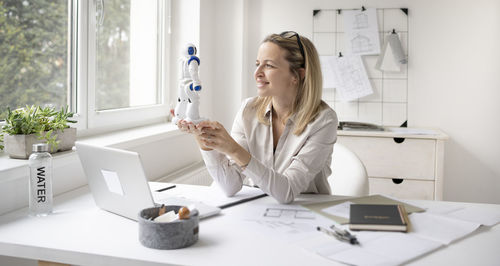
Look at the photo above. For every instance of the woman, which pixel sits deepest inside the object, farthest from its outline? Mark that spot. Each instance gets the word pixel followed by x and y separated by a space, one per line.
pixel 282 140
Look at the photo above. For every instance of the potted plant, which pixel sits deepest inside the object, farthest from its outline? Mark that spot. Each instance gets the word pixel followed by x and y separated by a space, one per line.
pixel 33 124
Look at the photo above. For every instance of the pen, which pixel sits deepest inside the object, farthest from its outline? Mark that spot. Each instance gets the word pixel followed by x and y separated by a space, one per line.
pixel 347 237
pixel 242 201
pixel 352 239
pixel 165 188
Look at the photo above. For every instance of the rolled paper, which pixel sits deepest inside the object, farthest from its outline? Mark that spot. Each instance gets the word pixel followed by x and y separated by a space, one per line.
pixel 392 56
pixel 397 48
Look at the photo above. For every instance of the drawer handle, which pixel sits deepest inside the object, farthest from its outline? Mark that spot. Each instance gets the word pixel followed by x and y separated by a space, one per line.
pixel 399 140
pixel 397 180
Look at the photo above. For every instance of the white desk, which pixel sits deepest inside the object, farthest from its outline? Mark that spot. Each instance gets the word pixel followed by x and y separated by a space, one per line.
pixel 80 233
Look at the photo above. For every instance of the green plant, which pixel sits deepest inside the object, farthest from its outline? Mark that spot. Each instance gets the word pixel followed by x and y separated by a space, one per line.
pixel 37 120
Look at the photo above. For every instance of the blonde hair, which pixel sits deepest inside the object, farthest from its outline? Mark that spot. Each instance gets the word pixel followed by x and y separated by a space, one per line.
pixel 308 103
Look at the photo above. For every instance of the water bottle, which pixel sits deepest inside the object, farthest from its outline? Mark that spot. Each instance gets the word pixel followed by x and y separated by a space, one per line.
pixel 40 192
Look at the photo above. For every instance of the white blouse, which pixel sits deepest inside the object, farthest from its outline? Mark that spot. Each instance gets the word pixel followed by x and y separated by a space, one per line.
pixel 300 164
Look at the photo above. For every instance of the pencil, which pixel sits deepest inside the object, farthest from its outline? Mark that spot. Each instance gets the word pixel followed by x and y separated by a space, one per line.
pixel 165 188
pixel 242 201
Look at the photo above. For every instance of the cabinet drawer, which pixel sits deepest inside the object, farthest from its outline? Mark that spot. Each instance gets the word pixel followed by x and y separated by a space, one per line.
pixel 383 157
pixel 408 189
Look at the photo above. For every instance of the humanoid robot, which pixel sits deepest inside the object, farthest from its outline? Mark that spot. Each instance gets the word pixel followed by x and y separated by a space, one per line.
pixel 188 100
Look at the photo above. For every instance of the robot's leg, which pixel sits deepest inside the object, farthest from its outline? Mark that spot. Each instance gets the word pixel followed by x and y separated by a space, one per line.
pixel 193 113
pixel 182 103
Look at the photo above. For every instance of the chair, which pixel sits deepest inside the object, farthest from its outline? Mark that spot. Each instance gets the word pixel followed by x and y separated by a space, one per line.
pixel 349 177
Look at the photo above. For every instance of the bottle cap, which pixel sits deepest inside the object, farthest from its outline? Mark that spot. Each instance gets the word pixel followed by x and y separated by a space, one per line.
pixel 41 147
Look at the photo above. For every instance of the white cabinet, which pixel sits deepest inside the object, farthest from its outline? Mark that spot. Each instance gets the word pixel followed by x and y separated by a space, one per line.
pixel 408 166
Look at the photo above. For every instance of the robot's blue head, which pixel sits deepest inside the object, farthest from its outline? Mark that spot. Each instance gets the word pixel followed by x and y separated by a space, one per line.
pixel 189 50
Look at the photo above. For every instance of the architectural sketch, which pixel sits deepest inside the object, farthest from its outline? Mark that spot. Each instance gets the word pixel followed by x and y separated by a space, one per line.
pixel 360 21
pixel 361 28
pixel 360 44
pixel 288 213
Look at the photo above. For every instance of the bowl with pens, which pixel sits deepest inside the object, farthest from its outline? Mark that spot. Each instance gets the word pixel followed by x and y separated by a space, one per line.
pixel 168 227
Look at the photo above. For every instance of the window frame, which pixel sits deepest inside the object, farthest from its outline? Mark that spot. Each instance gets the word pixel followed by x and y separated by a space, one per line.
pixel 80 89
pixel 83 89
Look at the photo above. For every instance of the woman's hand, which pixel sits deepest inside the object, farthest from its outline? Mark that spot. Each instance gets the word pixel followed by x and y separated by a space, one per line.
pixel 191 128
pixel 214 136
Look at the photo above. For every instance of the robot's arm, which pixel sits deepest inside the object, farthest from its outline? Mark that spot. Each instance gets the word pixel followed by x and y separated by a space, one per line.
pixel 181 68
pixel 193 64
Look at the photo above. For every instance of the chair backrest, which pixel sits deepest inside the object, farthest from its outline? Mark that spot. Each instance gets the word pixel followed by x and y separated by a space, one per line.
pixel 349 177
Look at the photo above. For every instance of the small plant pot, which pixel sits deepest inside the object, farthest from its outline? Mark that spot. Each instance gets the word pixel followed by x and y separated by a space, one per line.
pixel 171 235
pixel 20 146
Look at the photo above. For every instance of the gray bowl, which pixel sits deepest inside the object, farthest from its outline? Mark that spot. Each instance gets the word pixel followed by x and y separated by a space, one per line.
pixel 172 235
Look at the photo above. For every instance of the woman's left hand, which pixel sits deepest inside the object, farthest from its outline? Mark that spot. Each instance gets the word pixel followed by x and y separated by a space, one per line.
pixel 213 135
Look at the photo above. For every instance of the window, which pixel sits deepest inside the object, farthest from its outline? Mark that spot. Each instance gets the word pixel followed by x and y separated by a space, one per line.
pixel 104 58
pixel 126 77
pixel 34 62
pixel 126 52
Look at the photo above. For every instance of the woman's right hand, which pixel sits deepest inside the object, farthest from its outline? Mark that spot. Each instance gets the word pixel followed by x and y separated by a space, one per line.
pixel 189 127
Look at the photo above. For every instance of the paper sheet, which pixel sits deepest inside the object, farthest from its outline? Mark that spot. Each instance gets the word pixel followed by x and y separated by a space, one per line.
pixel 290 223
pixel 296 225
pixel 361 28
pixel 377 248
pixel 439 228
pixel 341 210
pixel 412 131
pixel 329 70
pixel 386 60
pixel 440 225
pixel 390 249
pixel 213 196
pixel 392 57
pixel 347 74
pixel 486 216
pixel 354 80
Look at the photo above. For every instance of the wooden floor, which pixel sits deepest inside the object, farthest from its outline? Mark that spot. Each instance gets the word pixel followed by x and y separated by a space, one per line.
pixel 48 263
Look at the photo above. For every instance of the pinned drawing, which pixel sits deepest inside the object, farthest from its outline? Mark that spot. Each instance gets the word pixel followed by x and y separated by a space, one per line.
pixel 355 82
pixel 347 74
pixel 329 71
pixel 360 44
pixel 361 29
pixel 392 57
pixel 361 21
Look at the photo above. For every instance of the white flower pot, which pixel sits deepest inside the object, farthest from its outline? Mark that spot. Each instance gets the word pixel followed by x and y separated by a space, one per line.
pixel 20 146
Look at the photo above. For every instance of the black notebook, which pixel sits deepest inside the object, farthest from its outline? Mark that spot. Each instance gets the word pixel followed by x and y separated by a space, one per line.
pixel 378 217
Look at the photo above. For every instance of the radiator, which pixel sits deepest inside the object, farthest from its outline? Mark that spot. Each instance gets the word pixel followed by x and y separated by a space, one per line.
pixel 195 174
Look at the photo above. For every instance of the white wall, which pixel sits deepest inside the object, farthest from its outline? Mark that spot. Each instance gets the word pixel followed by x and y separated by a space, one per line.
pixel 456 61
pixel 222 29
pixel 186 28
pixel 454 81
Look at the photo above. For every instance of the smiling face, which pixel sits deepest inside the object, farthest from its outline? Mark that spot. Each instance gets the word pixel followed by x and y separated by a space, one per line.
pixel 272 73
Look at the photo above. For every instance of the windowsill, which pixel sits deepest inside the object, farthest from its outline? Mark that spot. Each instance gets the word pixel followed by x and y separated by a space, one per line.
pixel 15 168
pixel 134 136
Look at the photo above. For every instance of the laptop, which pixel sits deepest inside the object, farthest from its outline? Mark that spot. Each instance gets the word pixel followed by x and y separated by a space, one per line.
pixel 119 185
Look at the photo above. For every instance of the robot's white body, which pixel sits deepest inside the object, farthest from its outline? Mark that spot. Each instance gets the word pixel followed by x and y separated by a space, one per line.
pixel 188 99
